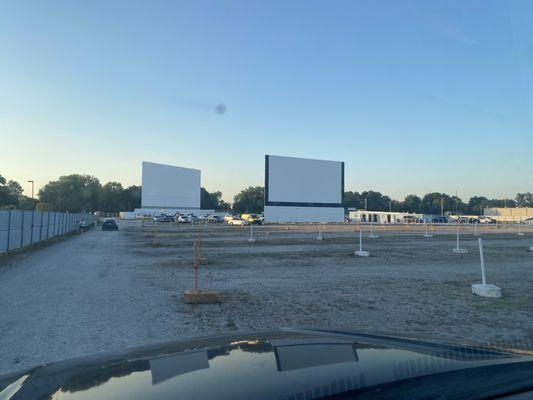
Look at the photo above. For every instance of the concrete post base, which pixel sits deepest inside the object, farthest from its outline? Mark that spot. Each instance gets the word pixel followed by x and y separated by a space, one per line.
pixel 373 236
pixel 252 240
pixel 362 253
pixel 531 249
pixel 202 297
pixel 519 233
pixel 486 290
pixel 428 235
pixel 320 237
pixel 460 251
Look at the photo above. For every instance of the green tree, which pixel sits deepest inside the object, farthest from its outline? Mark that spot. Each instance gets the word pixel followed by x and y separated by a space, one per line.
pixel 411 203
pixel 132 197
pixel 375 201
pixel 476 204
pixel 10 191
pixel 111 197
pixel 74 193
pixel 213 201
pixel 524 199
pixel 353 200
pixel 431 203
pixel 251 199
pixel 26 203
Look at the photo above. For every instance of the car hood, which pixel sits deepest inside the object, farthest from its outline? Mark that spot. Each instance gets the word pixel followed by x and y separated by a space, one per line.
pixel 286 363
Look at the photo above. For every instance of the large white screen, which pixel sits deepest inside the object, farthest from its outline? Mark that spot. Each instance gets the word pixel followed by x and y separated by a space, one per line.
pixel 301 180
pixel 166 186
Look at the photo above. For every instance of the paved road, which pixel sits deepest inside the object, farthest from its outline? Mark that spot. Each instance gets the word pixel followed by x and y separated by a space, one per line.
pixel 76 297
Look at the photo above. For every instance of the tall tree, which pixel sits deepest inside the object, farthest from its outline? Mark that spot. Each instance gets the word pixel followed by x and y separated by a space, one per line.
pixel 476 204
pixel 353 200
pixel 111 197
pixel 74 193
pixel 524 199
pixel 431 203
pixel 132 197
pixel 10 191
pixel 251 199
pixel 212 200
pixel 375 201
pixel 411 203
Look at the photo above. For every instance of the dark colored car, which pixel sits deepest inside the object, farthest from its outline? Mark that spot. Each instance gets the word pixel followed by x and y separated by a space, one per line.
pixel 439 220
pixel 283 364
pixel 110 225
pixel 215 219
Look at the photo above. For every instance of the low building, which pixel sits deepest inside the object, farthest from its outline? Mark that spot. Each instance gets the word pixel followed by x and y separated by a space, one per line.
pixel 508 214
pixel 382 217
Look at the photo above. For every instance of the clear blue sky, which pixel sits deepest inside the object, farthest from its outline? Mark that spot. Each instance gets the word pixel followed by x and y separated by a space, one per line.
pixel 414 96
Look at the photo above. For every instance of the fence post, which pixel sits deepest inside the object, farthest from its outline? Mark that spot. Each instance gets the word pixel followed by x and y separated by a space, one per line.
pixel 41 226
pixel 32 222
pixel 22 230
pixel 48 226
pixel 8 230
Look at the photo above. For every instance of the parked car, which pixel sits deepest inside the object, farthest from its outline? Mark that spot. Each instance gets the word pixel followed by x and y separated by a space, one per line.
pixel 237 221
pixel 193 218
pixel 251 218
pixel 215 219
pixel 183 219
pixel 227 217
pixel 411 219
pixel 110 224
pixel 439 220
pixel 163 218
pixel 487 220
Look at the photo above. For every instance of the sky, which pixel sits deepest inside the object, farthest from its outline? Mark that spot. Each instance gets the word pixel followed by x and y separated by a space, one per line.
pixel 414 96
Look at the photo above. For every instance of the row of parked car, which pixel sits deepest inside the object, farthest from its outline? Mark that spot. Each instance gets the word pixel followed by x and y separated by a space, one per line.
pixel 411 219
pixel 230 219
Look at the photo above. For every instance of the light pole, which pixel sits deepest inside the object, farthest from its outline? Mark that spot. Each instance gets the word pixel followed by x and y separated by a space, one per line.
pixel 32 200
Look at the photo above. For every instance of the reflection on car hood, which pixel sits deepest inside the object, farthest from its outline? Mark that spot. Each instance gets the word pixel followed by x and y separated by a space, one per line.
pixel 262 365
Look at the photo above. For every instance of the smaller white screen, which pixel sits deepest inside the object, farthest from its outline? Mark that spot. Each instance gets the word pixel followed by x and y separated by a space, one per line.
pixel 302 180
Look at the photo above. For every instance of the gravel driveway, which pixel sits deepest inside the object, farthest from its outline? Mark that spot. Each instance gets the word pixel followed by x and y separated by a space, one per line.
pixel 108 290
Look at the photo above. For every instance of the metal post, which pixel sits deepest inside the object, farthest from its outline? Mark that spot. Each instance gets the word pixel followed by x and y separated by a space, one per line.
pixel 41 225
pixel 458 234
pixel 8 230
pixel 48 226
pixel 482 258
pixel 32 222
pixel 22 230
pixel 360 240
pixel 196 264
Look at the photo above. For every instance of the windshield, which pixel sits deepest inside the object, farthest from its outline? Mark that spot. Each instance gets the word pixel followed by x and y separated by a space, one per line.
pixel 362 165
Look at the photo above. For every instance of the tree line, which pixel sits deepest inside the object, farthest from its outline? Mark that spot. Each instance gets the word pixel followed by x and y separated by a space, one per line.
pixel 77 193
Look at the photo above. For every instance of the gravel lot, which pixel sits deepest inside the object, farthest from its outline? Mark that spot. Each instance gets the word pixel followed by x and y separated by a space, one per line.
pixel 108 290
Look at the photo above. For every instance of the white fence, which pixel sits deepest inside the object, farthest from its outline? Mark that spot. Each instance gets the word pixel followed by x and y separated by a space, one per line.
pixel 21 228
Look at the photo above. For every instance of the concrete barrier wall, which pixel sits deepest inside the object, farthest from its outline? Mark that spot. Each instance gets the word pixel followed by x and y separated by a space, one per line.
pixel 20 228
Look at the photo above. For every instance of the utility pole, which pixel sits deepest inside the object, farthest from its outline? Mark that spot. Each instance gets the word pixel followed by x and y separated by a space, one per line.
pixel 441 206
pixel 32 200
pixel 365 204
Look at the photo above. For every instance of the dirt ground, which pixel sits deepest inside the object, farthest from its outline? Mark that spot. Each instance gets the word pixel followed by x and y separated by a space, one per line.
pixel 108 290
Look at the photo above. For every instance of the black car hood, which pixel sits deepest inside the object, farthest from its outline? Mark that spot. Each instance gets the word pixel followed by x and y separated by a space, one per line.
pixel 281 364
